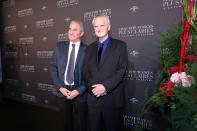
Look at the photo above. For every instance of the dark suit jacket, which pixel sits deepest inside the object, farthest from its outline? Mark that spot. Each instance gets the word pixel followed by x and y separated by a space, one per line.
pixel 58 67
pixel 109 72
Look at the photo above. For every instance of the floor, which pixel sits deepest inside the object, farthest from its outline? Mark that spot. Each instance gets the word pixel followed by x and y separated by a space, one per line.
pixel 18 116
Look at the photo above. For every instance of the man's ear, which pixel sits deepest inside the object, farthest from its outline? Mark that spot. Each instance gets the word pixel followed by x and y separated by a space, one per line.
pixel 82 33
pixel 109 27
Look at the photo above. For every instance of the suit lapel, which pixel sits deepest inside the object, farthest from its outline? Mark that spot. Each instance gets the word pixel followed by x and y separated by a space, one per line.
pixel 79 55
pixel 95 52
pixel 65 48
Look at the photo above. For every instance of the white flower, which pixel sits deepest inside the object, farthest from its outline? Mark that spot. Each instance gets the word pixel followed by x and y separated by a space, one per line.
pixel 182 78
pixel 175 78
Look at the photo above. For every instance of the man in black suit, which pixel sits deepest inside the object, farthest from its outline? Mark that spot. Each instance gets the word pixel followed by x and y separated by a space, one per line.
pixel 104 66
pixel 66 71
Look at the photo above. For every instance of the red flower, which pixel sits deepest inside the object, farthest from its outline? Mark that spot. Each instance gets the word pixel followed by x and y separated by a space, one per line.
pixel 173 70
pixel 166 89
pixel 190 58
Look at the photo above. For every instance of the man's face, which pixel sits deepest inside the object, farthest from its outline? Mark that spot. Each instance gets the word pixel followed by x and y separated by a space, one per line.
pixel 74 32
pixel 101 27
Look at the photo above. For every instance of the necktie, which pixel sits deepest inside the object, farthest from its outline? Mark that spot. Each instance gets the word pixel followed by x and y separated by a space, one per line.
pixel 70 70
pixel 100 52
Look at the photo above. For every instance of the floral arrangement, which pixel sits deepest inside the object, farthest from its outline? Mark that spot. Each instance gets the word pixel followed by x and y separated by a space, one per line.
pixel 176 100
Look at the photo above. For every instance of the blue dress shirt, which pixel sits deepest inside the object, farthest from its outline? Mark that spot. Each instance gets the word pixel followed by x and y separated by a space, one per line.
pixel 105 43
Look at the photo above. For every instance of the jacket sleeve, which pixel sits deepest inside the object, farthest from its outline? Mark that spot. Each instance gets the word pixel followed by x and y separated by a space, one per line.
pixel 85 71
pixel 54 70
pixel 118 75
pixel 82 88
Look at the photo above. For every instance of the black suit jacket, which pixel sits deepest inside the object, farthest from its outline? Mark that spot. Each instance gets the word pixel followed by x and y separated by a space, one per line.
pixel 58 67
pixel 109 72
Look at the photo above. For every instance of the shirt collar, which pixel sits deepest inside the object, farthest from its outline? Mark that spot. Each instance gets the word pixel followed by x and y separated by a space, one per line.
pixel 105 42
pixel 76 44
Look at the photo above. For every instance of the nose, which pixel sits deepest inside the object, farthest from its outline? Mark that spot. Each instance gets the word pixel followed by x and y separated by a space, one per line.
pixel 98 29
pixel 70 31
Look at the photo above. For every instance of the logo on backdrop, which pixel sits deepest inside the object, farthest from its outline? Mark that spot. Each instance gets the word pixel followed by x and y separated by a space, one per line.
pixel 26 40
pixel 10 51
pixel 134 9
pixel 25 26
pixel 62 37
pixel 9 15
pixel 8 3
pixel 45 69
pixel 44 8
pixel 88 16
pixel 10 42
pixel 46 101
pixel 27 84
pixel 13 82
pixel 45 23
pixel 25 12
pixel 136 31
pixel 67 19
pixel 45 54
pixel 132 121
pixel 66 3
pixel 13 50
pixel 27 68
pixel 45 87
pixel 28 97
pixel 171 4
pixel 11 28
pixel 44 39
pixel 140 75
pixel 134 100
pixel 133 52
pixel 26 54
pixel 11 54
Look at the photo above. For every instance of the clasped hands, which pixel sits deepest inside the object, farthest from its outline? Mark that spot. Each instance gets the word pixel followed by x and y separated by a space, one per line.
pixel 69 94
pixel 99 90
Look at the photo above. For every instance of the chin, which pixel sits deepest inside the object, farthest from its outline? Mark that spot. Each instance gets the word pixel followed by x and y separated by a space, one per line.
pixel 100 35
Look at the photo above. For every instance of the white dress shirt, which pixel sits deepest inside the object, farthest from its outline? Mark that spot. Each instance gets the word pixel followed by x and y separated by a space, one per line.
pixel 77 45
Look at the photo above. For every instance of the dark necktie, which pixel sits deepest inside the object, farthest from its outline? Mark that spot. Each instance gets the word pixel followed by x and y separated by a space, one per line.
pixel 100 52
pixel 70 70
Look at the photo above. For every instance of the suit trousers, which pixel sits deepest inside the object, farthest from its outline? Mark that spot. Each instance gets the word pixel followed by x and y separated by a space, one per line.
pixel 74 114
pixel 107 118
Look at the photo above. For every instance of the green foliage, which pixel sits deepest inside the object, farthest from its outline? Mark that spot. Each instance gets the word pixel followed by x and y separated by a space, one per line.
pixel 179 111
pixel 180 108
pixel 194 14
pixel 193 70
pixel 194 122
pixel 170 51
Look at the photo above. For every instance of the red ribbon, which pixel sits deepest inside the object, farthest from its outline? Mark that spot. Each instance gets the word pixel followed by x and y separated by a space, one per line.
pixel 185 28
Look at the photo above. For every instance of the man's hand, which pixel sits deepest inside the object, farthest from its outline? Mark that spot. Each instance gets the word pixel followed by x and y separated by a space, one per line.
pixel 69 94
pixel 64 91
pixel 72 94
pixel 99 90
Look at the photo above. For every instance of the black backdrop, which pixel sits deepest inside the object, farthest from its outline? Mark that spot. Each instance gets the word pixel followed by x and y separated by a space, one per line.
pixel 30 30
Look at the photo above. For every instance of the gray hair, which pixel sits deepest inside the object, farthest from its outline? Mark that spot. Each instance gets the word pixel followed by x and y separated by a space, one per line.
pixel 80 24
pixel 101 15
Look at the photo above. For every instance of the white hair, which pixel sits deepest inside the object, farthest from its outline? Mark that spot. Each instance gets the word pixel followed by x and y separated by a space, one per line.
pixel 80 24
pixel 104 16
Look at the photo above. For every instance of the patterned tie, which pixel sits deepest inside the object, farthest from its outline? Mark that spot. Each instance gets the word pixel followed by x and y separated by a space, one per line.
pixel 70 70
pixel 100 52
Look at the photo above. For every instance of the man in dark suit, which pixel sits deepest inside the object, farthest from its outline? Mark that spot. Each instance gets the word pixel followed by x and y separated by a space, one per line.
pixel 103 70
pixel 66 71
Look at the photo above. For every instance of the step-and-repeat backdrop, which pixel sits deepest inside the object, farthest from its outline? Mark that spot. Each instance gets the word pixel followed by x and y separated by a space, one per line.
pixel 30 30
